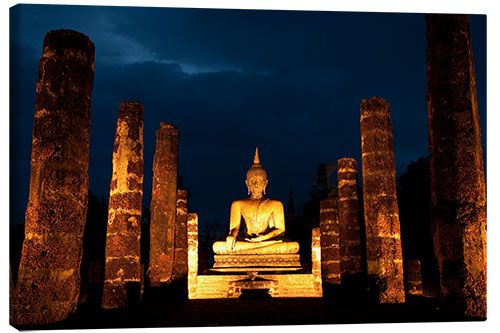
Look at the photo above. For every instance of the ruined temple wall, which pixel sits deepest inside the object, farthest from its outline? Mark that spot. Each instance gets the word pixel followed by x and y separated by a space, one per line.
pixel 123 267
pixel 383 236
pixel 49 272
pixel 458 189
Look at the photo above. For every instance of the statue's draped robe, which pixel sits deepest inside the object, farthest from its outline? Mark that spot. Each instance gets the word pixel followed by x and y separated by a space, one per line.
pixel 259 216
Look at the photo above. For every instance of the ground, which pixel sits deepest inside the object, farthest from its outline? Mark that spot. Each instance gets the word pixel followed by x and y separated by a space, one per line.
pixel 170 308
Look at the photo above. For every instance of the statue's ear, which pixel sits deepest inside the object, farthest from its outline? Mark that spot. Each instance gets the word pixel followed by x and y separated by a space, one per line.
pixel 265 185
pixel 248 188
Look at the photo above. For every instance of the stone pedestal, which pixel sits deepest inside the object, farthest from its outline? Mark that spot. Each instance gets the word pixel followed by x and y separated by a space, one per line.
pixel 278 274
pixel 284 285
pixel 348 207
pixel 180 253
pixel 330 249
pixel 241 262
pixel 237 287
pixel 383 237
pixel 458 189
pixel 163 206
pixel 49 272
pixel 123 250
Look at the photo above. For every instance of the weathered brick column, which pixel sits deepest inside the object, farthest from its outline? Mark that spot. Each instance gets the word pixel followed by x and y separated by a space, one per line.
pixel 163 206
pixel 350 230
pixel 123 250
pixel 180 254
pixel 49 272
pixel 316 260
pixel 330 250
pixel 414 277
pixel 383 237
pixel 192 229
pixel 458 191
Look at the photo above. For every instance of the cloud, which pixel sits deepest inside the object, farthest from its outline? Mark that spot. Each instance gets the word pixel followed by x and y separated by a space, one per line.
pixel 288 82
pixel 222 117
pixel 117 47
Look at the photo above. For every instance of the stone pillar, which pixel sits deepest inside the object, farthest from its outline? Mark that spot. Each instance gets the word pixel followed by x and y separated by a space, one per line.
pixel 413 278
pixel 49 272
pixel 180 254
pixel 316 260
pixel 330 250
pixel 163 206
pixel 350 230
pixel 192 232
pixel 458 191
pixel 383 237
pixel 123 249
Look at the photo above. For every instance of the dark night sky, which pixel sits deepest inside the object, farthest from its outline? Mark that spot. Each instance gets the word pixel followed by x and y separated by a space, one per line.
pixel 289 82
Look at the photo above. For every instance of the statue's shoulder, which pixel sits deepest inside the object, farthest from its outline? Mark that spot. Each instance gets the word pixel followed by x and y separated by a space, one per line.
pixel 275 203
pixel 239 203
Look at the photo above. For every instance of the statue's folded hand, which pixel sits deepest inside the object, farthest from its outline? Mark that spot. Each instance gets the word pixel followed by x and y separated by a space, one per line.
pixel 257 239
pixel 230 241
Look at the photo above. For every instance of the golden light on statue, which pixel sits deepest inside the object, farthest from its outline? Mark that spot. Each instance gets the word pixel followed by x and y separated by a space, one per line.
pixel 261 251
pixel 264 220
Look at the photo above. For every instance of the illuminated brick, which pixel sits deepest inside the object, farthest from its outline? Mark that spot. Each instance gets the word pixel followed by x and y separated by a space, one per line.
pixel 180 254
pixel 122 271
pixel 348 211
pixel 192 237
pixel 163 206
pixel 330 250
pixel 383 244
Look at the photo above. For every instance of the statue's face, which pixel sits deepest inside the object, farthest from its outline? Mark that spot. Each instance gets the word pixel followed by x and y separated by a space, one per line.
pixel 256 185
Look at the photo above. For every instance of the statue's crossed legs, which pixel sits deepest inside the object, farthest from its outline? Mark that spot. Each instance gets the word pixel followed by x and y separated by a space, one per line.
pixel 264 247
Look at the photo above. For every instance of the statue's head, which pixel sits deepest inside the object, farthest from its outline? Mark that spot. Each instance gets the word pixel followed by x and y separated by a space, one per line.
pixel 256 178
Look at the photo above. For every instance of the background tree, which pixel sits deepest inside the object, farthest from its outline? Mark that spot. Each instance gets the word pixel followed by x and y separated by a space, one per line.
pixel 145 223
pixel 209 233
pixel 414 214
pixel 324 187
pixel 94 248
pixel 16 238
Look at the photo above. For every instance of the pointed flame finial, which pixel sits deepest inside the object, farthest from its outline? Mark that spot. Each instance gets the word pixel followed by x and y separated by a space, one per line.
pixel 256 168
pixel 256 159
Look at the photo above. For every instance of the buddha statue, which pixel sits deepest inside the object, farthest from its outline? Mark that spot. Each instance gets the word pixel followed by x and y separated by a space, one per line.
pixel 264 220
